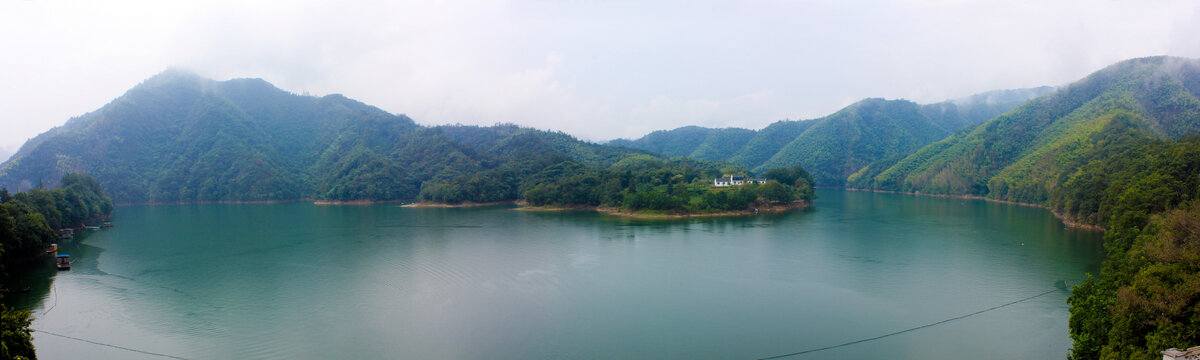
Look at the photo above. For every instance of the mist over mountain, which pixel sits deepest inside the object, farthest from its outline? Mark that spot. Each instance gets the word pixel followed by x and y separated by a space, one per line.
pixel 1024 154
pixel 836 146
pixel 177 137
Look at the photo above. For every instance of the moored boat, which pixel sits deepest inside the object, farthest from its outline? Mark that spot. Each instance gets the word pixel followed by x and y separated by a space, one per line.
pixel 63 262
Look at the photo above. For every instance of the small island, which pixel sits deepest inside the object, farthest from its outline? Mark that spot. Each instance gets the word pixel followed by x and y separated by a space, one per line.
pixel 637 186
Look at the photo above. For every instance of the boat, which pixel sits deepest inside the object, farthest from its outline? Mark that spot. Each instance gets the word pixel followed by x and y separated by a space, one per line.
pixel 92 227
pixel 52 250
pixel 106 225
pixel 6 290
pixel 63 262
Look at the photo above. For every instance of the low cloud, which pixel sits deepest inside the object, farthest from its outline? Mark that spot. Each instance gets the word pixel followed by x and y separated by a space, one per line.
pixel 598 70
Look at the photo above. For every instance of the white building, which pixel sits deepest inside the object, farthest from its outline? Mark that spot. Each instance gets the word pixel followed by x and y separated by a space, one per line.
pixel 737 180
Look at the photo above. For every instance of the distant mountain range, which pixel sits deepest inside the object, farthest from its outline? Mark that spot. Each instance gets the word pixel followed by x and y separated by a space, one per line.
pixel 178 137
pixel 835 146
pixel 1117 149
pixel 1024 154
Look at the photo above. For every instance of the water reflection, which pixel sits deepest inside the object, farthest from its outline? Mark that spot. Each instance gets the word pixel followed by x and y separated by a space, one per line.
pixel 303 281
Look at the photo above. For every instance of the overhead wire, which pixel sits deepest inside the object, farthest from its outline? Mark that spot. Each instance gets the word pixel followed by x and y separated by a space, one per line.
pixel 110 345
pixel 960 317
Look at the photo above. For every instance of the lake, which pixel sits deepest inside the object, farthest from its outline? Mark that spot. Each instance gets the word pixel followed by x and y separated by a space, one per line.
pixel 301 281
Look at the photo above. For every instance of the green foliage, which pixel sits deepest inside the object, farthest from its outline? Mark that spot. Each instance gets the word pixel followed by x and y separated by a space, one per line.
pixel 24 234
pixel 1147 192
pixel 1023 155
pixel 843 143
pixel 77 199
pixel 515 162
pixel 768 141
pixel 641 182
pixel 16 338
pixel 872 132
pixel 796 177
pixel 677 142
pixel 28 219
pixel 180 138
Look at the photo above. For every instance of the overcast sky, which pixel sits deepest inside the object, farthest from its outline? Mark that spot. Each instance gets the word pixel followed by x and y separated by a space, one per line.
pixel 595 69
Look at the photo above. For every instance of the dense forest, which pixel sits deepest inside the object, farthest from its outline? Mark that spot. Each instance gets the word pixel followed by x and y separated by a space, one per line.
pixel 1145 299
pixel 531 168
pixel 870 133
pixel 177 137
pixel 1025 154
pixel 181 138
pixel 679 186
pixel 27 226
pixel 1116 149
pixel 28 219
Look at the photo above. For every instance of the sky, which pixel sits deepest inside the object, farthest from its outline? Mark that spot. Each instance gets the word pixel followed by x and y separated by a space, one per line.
pixel 595 69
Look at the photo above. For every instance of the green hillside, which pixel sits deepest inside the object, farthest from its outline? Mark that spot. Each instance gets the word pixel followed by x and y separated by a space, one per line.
pixel 768 141
pixel 177 137
pixel 1023 155
pixel 838 145
pixel 861 139
pixel 692 141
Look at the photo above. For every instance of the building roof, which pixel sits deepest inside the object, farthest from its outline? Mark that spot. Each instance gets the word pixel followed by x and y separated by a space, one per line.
pixel 1192 351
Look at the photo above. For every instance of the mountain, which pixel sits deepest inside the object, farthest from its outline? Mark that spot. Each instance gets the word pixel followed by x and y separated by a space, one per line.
pixel 177 137
pixel 869 133
pixel 1023 155
pixel 692 141
pixel 498 138
pixel 768 141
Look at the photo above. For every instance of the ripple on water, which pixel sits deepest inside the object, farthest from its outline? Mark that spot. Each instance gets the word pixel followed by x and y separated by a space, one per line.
pixel 384 282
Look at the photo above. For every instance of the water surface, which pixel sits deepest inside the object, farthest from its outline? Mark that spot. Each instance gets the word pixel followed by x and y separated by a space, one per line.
pixel 298 280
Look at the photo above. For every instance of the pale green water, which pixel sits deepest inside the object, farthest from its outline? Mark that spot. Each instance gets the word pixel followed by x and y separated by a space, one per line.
pixel 317 282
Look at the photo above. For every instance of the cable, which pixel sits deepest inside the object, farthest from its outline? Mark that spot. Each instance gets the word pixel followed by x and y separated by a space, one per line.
pixel 765 358
pixel 907 330
pixel 110 345
pixel 54 289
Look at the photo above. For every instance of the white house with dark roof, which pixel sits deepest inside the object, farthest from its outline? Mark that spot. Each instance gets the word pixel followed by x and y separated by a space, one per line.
pixel 737 180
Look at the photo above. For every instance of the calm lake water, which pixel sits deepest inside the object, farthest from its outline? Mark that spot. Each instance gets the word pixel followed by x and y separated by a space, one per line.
pixel 300 281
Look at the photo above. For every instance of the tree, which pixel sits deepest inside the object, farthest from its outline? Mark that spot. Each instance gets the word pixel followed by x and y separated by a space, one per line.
pixel 775 192
pixel 16 338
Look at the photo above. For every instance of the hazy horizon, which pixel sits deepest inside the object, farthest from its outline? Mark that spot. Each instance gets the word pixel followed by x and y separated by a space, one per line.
pixel 596 70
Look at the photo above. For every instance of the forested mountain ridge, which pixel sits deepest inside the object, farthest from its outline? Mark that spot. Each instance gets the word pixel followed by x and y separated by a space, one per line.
pixel 177 137
pixel 692 141
pixel 1026 153
pixel 834 147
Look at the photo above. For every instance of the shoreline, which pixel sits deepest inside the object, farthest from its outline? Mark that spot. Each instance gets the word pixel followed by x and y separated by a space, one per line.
pixel 353 202
pixel 257 202
pixel 462 205
pixel 1066 220
pixel 618 212
pixel 152 203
